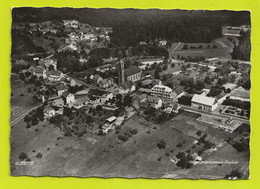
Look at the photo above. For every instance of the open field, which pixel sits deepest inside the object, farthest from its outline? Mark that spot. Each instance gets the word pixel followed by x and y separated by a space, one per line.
pixel 22 100
pixel 223 50
pixel 107 156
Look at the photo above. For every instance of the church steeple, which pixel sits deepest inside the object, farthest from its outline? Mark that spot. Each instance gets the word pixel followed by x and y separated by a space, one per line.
pixel 121 72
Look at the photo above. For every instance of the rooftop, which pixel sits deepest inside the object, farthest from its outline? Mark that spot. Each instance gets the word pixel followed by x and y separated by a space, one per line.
pixel 205 100
pixel 132 70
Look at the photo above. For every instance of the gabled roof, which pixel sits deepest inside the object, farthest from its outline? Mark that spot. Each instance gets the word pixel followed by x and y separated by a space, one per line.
pixel 127 84
pixel 205 100
pixel 132 70
pixel 96 92
pixel 240 92
pixel 66 94
pixel 162 87
pixel 81 100
pixel 60 87
pixel 179 90
pixel 153 99
pixel 39 69
pixel 54 73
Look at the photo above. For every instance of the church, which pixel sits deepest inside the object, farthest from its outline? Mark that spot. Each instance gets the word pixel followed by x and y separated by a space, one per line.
pixel 132 73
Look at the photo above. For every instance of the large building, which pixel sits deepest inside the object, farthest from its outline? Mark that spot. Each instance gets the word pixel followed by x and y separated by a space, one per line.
pixel 204 102
pixel 132 73
pixel 163 92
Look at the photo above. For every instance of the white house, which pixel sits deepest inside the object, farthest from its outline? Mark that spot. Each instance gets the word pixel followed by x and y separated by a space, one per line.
pixel 204 102
pixel 40 72
pixel 68 97
pixel 54 75
pixel 49 112
pixel 80 102
pixel 60 89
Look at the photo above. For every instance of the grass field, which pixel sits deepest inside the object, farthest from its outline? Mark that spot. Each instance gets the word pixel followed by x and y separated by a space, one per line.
pixel 223 50
pixel 107 156
pixel 22 100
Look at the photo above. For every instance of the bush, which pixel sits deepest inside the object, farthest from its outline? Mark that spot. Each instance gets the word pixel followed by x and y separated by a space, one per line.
pixel 161 144
pixel 133 131
pixel 28 125
pixel 22 156
pixel 122 137
pixel 39 155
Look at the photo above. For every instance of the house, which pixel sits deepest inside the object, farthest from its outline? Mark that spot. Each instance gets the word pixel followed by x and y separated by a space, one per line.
pixel 96 78
pixel 127 87
pixel 154 101
pixel 109 124
pixel 48 62
pixel 204 102
pixel 144 105
pixel 68 97
pixel 105 83
pixel 48 112
pixel 172 107
pixel 54 75
pixel 144 90
pixel 32 69
pixel 240 94
pixel 59 103
pixel 99 96
pixel 130 111
pixel 105 68
pixel 133 74
pixel 162 43
pixel 60 89
pixel 40 72
pixel 221 97
pixel 80 102
pixel 140 98
pixel 162 91
pixel 178 92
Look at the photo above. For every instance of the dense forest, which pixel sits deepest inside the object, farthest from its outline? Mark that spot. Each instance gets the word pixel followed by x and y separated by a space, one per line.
pixel 243 50
pixel 131 26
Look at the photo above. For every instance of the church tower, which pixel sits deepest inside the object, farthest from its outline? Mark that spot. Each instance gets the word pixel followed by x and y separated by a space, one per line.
pixel 121 72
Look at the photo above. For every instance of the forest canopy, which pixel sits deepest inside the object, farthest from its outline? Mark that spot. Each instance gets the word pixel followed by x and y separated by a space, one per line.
pixel 131 26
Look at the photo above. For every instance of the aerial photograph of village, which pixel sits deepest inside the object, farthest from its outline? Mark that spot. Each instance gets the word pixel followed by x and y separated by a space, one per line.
pixel 130 93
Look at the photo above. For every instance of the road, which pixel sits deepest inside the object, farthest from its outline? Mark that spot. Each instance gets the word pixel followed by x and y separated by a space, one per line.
pixel 23 115
pixel 174 49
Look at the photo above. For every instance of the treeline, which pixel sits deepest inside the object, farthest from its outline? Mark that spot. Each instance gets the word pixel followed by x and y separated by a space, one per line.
pixel 131 26
pixel 243 50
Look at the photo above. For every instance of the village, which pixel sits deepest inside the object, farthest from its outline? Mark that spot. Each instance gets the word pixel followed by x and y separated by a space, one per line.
pixel 110 99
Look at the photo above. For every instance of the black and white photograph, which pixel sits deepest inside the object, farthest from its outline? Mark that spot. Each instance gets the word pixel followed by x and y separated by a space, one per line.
pixel 130 93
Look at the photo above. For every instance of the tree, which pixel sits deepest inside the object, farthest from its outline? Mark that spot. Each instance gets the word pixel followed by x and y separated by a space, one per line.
pixel 185 47
pixel 34 120
pixel 127 100
pixel 183 68
pixel 234 174
pixel 27 118
pixel 99 108
pixel 22 156
pixel 67 111
pixel 161 144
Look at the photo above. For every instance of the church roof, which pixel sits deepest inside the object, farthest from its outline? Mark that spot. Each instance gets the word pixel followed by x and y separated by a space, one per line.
pixel 132 70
